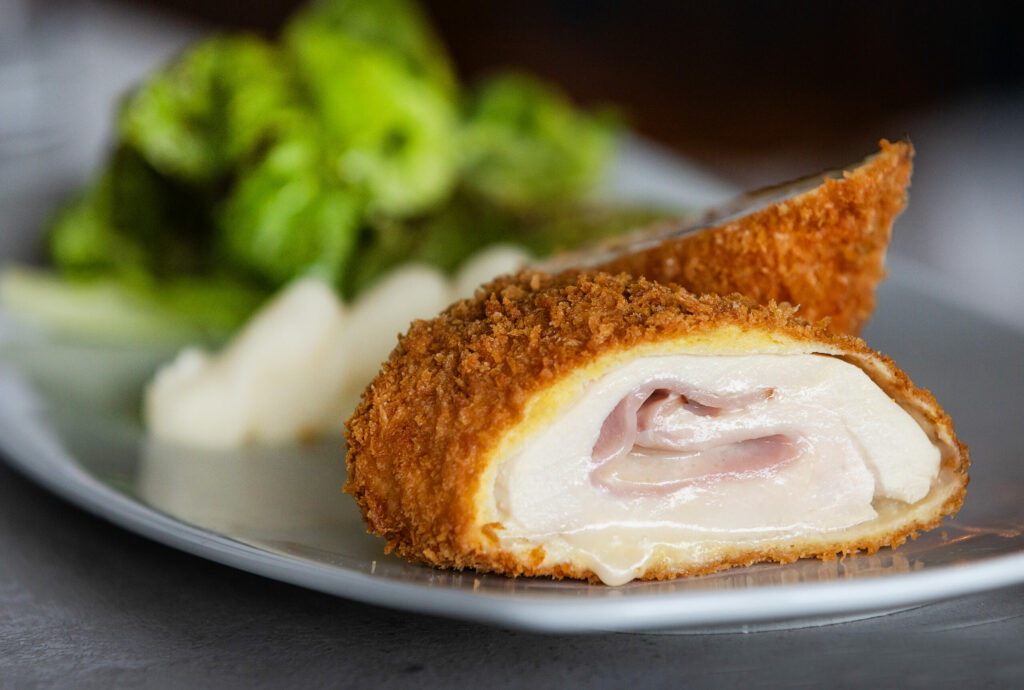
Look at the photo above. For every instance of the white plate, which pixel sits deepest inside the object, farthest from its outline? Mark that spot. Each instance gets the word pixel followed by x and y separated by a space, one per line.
pixel 69 420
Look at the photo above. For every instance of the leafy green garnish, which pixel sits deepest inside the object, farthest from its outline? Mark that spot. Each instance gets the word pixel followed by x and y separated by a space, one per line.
pixel 209 109
pixel 523 143
pixel 112 309
pixel 392 133
pixel 288 216
pixel 396 26
pixel 342 150
pixel 471 222
pixel 134 220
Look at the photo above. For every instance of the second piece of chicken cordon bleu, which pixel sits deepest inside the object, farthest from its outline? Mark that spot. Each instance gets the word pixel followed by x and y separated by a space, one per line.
pixel 610 428
pixel 818 243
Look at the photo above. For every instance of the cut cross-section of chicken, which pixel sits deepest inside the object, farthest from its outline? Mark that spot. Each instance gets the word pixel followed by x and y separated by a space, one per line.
pixel 613 429
pixel 778 446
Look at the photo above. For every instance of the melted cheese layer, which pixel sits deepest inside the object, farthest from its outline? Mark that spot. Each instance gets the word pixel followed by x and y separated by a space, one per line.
pixel 832 441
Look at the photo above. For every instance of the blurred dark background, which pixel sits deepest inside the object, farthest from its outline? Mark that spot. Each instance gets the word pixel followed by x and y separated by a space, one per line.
pixel 728 83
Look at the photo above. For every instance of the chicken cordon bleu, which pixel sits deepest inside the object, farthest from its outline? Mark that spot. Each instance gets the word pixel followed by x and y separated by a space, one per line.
pixel 817 243
pixel 608 428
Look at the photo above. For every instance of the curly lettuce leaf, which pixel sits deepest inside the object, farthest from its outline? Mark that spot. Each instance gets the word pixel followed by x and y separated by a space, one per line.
pixel 470 222
pixel 393 134
pixel 289 215
pixel 445 238
pixel 211 107
pixel 133 220
pixel 342 150
pixel 117 308
pixel 82 236
pixel 523 143
pixel 398 26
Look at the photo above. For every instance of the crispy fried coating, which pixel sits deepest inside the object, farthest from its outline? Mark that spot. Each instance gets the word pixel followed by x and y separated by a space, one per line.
pixel 822 250
pixel 424 437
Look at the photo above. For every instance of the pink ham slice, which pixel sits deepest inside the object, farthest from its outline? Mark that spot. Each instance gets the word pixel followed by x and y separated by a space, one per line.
pixel 665 436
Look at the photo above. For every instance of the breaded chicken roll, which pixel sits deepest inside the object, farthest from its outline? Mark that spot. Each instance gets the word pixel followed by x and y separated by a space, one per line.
pixel 818 243
pixel 609 428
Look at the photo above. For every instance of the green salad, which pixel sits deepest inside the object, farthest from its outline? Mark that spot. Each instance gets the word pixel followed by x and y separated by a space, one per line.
pixel 342 149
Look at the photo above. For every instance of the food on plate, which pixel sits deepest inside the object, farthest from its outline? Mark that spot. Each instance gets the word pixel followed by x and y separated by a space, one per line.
pixel 611 428
pixel 817 243
pixel 340 150
pixel 277 379
pixel 126 309
pixel 346 148
pixel 296 370
pixel 824 247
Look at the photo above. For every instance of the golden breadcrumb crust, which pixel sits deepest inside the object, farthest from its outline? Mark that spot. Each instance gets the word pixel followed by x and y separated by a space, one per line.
pixel 822 250
pixel 425 430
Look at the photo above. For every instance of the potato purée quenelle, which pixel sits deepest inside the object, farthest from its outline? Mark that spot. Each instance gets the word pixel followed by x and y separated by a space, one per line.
pixel 298 367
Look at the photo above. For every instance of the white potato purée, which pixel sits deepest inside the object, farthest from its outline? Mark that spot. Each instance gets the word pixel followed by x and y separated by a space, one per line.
pixel 296 370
